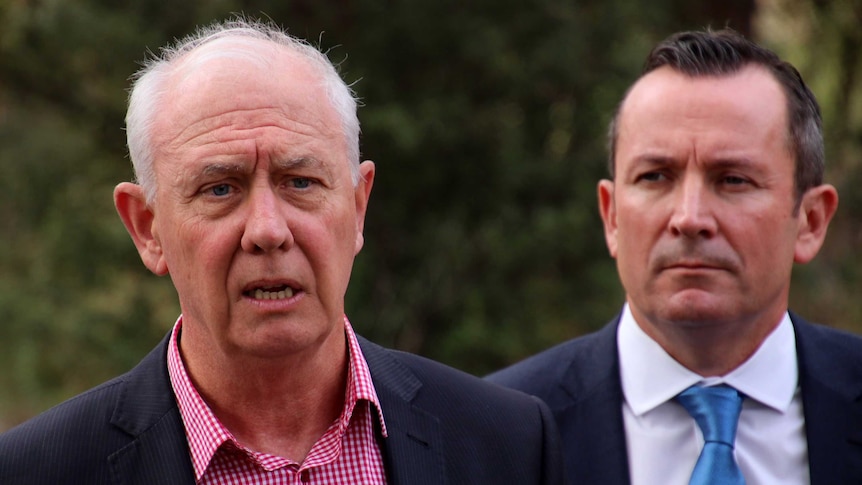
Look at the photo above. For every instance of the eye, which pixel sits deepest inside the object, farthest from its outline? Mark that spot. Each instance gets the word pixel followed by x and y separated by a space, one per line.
pixel 220 190
pixel 300 182
pixel 652 177
pixel 734 180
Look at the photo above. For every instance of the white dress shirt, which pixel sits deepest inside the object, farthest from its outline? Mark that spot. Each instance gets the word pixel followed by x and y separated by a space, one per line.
pixel 664 442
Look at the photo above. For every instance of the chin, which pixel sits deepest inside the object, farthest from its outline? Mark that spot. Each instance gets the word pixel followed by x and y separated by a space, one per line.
pixel 286 340
pixel 697 308
pixel 274 347
pixel 696 316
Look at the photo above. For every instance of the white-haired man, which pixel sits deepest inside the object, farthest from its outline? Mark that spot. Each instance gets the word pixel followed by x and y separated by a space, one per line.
pixel 250 195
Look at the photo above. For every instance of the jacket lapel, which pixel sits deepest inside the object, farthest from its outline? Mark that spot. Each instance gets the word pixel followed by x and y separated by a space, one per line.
pixel 831 392
pixel 413 451
pixel 147 411
pixel 588 411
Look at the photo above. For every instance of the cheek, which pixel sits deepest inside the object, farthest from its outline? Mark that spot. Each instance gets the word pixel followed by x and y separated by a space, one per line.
pixel 636 232
pixel 339 226
pixel 769 244
pixel 632 256
pixel 202 248
pixel 330 246
pixel 759 232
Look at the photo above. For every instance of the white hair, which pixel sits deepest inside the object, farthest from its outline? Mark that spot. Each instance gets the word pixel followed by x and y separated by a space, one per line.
pixel 149 87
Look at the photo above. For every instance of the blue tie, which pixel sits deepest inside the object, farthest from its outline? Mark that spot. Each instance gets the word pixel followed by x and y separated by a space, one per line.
pixel 716 410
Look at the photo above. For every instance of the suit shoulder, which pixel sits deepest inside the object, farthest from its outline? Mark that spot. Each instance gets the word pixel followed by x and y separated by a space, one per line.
pixel 536 373
pixel 439 377
pixel 81 415
pixel 843 348
pixel 835 336
pixel 446 405
pixel 67 418
pixel 447 392
pixel 63 438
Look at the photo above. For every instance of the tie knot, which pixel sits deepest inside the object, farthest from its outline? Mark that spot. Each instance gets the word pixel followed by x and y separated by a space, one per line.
pixel 715 409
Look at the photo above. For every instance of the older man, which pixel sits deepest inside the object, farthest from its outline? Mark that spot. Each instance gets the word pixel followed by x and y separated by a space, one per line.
pixel 706 377
pixel 251 197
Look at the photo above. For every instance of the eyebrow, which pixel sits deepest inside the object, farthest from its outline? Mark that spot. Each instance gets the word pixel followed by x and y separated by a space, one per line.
pixel 221 169
pixel 726 162
pixel 214 169
pixel 298 162
pixel 651 161
pixel 712 163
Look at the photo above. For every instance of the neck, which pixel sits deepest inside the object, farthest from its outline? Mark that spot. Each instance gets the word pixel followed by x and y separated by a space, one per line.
pixel 280 406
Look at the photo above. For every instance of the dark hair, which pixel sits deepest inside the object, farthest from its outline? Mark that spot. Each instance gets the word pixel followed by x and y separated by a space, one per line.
pixel 725 52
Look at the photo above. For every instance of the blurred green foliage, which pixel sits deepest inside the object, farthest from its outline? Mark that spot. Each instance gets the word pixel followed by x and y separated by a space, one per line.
pixel 486 119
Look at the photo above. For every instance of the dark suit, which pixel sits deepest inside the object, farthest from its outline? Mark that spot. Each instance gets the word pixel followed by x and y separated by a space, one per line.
pixel 445 427
pixel 580 382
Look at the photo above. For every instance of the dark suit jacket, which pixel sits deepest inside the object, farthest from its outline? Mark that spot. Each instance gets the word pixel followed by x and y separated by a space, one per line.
pixel 445 427
pixel 580 382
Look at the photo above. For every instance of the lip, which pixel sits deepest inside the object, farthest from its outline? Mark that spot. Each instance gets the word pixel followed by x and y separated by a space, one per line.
pixel 264 293
pixel 694 267
pixel 270 284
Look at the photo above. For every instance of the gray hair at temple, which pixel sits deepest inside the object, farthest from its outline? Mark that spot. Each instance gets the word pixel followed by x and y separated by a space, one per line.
pixel 725 52
pixel 150 82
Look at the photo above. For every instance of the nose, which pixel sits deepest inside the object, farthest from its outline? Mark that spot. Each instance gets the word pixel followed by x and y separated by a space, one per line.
pixel 266 228
pixel 692 212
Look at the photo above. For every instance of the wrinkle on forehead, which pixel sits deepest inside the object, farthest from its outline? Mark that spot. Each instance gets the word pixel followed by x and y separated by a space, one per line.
pixel 224 95
pixel 277 164
pixel 235 124
pixel 244 101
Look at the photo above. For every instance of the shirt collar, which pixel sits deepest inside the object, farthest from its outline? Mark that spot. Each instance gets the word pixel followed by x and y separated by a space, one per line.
pixel 651 377
pixel 205 432
pixel 360 386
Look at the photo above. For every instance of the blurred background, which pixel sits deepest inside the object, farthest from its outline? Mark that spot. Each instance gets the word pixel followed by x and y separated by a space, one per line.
pixel 487 121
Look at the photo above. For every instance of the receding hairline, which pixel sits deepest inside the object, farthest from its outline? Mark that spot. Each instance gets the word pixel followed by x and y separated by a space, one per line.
pixel 202 65
pixel 244 48
pixel 149 86
pixel 752 66
pixel 744 69
pixel 262 53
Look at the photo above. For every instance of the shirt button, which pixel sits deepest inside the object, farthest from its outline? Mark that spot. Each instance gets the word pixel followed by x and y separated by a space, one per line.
pixel 305 476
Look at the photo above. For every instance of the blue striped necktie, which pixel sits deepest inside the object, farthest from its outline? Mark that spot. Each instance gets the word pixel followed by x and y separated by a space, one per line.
pixel 716 411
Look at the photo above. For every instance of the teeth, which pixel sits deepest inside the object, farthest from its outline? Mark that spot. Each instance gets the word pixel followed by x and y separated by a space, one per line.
pixel 260 294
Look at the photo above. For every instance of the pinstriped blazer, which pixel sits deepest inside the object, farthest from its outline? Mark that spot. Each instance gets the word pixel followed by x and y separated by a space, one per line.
pixel 445 427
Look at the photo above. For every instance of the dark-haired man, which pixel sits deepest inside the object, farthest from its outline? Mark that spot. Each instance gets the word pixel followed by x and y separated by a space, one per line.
pixel 716 190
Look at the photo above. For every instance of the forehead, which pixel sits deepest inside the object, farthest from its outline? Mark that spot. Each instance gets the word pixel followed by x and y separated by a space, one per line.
pixel 232 85
pixel 750 92
pixel 743 110
pixel 245 73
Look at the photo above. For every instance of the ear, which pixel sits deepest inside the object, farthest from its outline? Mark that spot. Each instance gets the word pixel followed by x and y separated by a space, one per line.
pixel 362 193
pixel 139 219
pixel 816 209
pixel 608 211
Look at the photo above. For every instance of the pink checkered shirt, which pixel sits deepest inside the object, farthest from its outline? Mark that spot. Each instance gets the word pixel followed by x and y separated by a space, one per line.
pixel 347 453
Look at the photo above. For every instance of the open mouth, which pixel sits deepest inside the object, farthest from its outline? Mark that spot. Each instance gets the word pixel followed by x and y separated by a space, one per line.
pixel 281 292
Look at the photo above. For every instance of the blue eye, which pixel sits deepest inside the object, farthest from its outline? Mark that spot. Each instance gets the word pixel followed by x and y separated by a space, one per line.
pixel 220 190
pixel 301 182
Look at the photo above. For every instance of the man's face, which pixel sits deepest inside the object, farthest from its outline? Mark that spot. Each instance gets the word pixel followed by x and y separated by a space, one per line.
pixel 700 215
pixel 256 217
